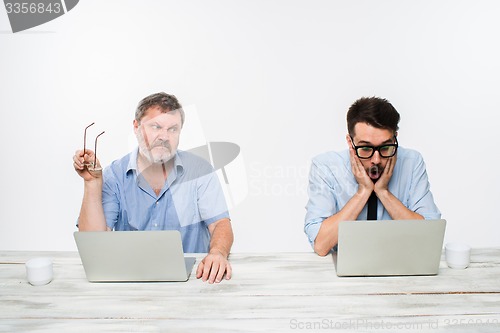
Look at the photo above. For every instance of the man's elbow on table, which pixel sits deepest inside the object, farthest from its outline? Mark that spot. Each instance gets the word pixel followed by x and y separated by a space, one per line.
pixel 320 249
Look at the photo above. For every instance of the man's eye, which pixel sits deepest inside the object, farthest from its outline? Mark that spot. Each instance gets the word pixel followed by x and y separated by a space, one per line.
pixel 172 129
pixel 366 148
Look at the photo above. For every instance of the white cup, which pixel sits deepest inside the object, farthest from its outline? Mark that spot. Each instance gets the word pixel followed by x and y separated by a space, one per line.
pixel 457 255
pixel 39 271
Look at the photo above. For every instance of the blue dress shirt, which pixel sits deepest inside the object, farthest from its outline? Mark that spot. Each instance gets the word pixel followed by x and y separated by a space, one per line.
pixel 332 184
pixel 190 200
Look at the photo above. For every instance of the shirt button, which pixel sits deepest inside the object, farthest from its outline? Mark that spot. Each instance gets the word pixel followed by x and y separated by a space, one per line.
pixel 156 225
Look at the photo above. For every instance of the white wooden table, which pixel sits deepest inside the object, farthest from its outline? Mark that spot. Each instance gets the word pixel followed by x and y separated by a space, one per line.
pixel 277 292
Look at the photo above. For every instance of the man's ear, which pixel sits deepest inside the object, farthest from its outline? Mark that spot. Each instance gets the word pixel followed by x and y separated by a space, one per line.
pixel 136 126
pixel 349 139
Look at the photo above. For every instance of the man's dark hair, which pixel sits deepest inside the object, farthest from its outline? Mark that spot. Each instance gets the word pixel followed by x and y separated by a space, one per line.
pixel 374 111
pixel 167 103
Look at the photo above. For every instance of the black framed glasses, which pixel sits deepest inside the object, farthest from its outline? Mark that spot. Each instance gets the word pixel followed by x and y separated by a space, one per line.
pixel 385 151
pixel 91 165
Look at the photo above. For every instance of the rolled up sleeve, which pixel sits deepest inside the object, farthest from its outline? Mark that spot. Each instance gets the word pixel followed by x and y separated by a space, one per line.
pixel 321 203
pixel 421 200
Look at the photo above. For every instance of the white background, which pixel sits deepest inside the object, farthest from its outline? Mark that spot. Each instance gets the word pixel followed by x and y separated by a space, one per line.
pixel 275 77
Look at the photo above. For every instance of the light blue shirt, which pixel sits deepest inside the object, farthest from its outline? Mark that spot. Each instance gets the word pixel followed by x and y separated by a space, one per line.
pixel 190 200
pixel 332 184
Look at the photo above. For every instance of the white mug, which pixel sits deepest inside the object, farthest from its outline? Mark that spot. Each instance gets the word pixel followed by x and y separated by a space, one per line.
pixel 457 255
pixel 39 271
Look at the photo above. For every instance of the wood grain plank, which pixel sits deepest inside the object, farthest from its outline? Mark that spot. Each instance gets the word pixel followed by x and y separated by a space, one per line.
pixel 276 292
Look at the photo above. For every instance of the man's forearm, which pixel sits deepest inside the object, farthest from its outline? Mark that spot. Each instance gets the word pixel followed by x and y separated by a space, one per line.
pixel 395 208
pixel 327 236
pixel 91 213
pixel 222 237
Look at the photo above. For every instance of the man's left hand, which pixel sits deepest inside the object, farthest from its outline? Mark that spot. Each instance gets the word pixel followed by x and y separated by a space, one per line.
pixel 213 268
pixel 382 183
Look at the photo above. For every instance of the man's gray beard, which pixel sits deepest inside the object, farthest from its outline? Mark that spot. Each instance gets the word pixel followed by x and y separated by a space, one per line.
pixel 149 157
pixel 164 158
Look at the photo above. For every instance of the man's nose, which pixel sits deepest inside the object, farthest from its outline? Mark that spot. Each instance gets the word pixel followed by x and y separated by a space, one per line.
pixel 376 157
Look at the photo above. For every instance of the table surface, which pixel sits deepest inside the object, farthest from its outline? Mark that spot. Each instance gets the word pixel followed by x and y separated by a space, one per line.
pixel 275 292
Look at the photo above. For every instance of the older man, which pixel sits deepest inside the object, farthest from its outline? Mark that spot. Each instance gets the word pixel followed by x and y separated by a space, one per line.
pixel 157 187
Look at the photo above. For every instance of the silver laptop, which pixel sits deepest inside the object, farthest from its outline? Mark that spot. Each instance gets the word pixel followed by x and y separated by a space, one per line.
pixel 397 247
pixel 133 256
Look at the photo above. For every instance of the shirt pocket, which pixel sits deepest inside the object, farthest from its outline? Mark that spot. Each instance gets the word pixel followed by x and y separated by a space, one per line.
pixel 185 201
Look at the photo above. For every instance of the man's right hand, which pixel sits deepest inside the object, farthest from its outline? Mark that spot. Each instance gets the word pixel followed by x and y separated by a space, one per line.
pixel 84 165
pixel 364 181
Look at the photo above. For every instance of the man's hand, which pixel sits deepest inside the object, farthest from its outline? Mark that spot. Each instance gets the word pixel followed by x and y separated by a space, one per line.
pixel 84 165
pixel 382 183
pixel 213 267
pixel 364 181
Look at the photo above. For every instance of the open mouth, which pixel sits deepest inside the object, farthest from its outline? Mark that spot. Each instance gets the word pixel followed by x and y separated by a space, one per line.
pixel 374 172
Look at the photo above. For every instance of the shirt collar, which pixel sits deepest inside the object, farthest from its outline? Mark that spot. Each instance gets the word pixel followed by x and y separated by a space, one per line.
pixel 132 162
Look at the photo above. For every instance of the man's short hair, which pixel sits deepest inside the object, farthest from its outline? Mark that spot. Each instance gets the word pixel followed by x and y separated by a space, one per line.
pixel 374 111
pixel 166 102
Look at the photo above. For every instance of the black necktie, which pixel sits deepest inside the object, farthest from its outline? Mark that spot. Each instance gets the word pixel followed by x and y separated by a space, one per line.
pixel 372 207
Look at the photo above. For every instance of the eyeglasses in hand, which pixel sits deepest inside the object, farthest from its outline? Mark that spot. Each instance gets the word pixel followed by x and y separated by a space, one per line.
pixel 92 166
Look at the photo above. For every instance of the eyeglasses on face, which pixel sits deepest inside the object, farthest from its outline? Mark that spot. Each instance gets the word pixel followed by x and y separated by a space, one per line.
pixel 385 151
pixel 91 165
